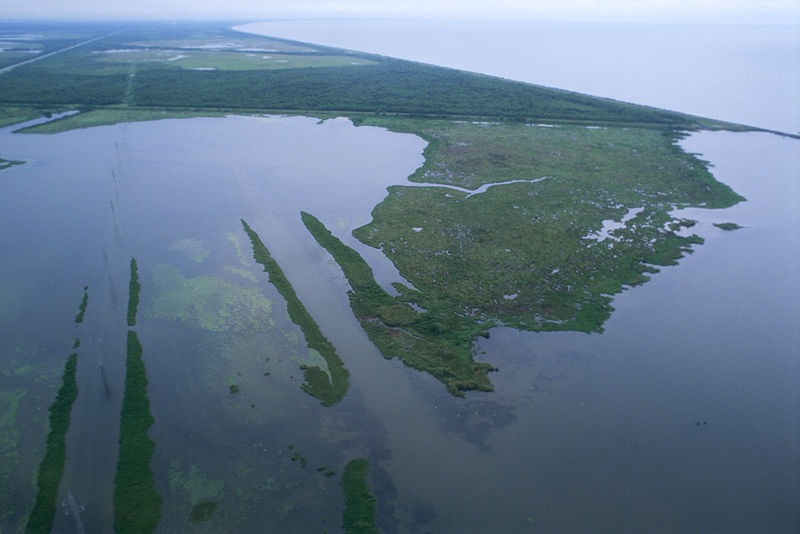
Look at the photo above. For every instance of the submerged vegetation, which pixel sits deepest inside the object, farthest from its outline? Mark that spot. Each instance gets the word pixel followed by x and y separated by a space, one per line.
pixel 133 294
pixel 137 503
pixel 329 387
pixel 207 302
pixel 359 512
pixel 51 468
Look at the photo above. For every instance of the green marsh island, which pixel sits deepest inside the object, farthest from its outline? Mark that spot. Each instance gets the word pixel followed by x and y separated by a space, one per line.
pixel 533 208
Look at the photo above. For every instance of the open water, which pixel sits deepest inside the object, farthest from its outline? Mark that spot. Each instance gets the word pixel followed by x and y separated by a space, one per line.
pixel 681 417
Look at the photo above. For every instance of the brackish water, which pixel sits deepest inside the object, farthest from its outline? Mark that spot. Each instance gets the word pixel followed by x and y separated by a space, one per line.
pixel 680 417
pixel 583 430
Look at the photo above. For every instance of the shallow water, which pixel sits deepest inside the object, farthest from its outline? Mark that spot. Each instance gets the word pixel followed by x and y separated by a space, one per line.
pixel 682 414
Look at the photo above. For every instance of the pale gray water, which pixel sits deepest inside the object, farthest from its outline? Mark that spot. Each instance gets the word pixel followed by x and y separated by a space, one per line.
pixel 584 433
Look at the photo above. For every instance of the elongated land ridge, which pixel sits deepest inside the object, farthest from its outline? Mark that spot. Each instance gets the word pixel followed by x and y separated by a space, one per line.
pixel 532 254
pixel 329 387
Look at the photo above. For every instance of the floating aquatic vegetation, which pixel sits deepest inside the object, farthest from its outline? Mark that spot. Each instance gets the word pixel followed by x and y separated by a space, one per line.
pixel 202 492
pixel 207 302
pixel 202 512
pixel 193 248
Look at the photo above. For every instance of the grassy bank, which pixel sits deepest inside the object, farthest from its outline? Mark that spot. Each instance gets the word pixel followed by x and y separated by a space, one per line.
pixel 359 512
pixel 328 388
pixel 436 341
pixel 112 115
pixel 51 468
pixel 137 503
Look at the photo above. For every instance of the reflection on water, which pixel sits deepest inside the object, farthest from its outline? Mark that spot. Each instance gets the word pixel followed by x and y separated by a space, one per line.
pixel 584 432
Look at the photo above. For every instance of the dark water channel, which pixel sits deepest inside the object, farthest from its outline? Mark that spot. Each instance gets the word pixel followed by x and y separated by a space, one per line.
pixel 681 417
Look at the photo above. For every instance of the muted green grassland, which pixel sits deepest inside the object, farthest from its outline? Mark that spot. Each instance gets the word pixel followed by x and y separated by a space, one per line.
pixel 530 255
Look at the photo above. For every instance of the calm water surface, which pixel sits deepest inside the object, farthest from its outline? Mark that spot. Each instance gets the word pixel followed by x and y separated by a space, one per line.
pixel 681 417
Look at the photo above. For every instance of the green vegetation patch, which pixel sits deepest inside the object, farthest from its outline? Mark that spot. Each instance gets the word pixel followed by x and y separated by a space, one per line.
pixel 15 114
pixel 104 117
pixel 436 341
pixel 5 163
pixel 193 248
pixel 133 293
pixel 207 302
pixel 535 255
pixel 137 503
pixel 82 307
pixel 202 512
pixel 727 226
pixel 201 492
pixel 51 468
pixel 328 387
pixel 359 505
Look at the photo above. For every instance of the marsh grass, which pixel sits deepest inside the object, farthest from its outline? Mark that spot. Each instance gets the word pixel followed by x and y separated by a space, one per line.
pixel 436 341
pixel 137 503
pixel 82 308
pixel 359 512
pixel 727 226
pixel 329 389
pixel 133 293
pixel 51 468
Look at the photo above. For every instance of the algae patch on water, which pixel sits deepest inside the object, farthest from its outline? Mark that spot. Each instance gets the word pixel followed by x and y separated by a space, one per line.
pixel 193 248
pixel 200 491
pixel 207 302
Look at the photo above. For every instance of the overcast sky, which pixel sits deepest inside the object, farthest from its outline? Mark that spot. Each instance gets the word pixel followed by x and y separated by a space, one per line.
pixel 760 11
